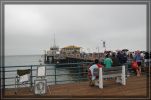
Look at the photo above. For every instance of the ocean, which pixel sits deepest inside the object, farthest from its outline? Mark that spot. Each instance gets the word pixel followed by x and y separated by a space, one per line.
pixel 27 60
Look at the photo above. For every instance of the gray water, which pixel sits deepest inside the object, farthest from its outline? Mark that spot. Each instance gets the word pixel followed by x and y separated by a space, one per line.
pixel 27 60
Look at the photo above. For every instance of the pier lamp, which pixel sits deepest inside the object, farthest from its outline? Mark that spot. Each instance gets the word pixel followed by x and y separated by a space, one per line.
pixel 104 44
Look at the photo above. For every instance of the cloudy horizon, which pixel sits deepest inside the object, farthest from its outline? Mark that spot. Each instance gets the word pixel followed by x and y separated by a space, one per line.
pixel 30 29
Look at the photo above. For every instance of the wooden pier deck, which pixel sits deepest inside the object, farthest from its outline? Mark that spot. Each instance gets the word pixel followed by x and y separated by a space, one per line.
pixel 135 87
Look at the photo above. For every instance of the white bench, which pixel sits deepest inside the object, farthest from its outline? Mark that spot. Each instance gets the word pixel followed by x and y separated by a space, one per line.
pixel 117 72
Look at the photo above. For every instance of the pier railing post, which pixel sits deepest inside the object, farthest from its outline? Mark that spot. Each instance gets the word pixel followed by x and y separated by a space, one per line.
pixel 78 72
pixel 31 81
pixel 55 74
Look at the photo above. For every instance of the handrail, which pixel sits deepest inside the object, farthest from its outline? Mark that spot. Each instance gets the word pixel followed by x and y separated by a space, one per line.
pixel 79 71
pixel 57 67
pixel 49 64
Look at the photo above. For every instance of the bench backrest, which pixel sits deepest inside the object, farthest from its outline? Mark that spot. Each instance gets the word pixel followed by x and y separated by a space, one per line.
pixel 112 72
pixel 108 71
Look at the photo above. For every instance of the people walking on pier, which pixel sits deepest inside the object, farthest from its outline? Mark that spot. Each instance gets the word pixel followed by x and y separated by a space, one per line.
pixel 92 75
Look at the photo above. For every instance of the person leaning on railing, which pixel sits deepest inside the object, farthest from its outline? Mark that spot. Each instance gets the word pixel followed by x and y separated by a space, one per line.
pixel 92 75
pixel 122 57
pixel 115 60
pixel 135 67
pixel 138 59
pixel 108 61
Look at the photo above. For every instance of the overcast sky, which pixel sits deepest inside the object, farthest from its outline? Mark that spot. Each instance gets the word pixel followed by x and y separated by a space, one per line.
pixel 30 29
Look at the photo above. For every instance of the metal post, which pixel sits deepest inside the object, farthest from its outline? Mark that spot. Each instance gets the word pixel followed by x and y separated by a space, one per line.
pixel 55 74
pixel 79 73
pixel 31 81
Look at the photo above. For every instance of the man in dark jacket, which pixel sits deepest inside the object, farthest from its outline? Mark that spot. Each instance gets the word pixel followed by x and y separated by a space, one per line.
pixel 122 57
pixel 115 60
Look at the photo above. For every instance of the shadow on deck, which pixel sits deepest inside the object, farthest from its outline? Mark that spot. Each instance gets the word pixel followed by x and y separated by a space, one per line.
pixel 135 87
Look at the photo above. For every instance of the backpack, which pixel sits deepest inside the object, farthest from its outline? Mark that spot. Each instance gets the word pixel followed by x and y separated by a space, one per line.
pixel 134 64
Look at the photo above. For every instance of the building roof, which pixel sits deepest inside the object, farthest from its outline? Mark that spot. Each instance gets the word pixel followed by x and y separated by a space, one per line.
pixel 71 46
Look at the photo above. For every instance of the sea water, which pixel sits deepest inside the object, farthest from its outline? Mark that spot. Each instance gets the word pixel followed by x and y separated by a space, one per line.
pixel 27 60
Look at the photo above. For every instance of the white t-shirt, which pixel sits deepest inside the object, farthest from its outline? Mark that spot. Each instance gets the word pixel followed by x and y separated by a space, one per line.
pixel 91 69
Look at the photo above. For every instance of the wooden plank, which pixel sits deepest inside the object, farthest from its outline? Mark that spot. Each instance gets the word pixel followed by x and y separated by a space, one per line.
pixel 112 75
pixel 136 86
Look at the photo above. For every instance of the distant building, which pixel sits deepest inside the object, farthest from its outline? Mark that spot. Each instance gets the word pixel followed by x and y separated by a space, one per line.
pixel 53 51
pixel 71 51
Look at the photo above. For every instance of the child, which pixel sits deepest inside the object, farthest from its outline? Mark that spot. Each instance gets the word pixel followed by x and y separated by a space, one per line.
pixel 92 75
pixel 135 67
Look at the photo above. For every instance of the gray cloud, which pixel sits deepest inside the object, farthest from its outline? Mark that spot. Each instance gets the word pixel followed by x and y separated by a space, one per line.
pixel 29 29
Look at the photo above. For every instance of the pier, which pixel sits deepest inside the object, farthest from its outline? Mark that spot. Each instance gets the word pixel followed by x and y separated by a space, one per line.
pixel 66 59
pixel 135 87
pixel 69 54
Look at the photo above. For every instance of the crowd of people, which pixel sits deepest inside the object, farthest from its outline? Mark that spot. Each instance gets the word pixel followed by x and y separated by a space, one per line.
pixel 134 60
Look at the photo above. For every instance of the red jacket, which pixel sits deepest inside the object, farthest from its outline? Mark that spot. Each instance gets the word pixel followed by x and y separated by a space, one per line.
pixel 134 65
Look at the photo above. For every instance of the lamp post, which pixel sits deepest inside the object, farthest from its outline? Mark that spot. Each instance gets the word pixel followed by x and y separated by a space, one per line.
pixel 104 45
pixel 97 52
